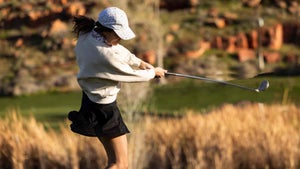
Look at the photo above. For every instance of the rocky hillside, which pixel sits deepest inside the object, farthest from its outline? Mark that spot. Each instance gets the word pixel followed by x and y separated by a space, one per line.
pixel 37 44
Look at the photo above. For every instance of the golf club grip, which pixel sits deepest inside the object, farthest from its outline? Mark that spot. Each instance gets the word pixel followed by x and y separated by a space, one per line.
pixel 167 73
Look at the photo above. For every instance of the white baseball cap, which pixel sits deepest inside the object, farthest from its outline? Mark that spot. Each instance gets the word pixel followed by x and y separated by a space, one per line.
pixel 116 19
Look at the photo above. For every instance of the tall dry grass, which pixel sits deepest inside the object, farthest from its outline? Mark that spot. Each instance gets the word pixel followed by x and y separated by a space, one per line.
pixel 252 136
pixel 26 144
pixel 236 137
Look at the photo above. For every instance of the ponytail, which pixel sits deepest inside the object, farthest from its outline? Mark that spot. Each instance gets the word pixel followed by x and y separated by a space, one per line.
pixel 82 24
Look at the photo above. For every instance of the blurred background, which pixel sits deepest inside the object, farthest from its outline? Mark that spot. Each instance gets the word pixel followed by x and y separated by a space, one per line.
pixel 241 41
pixel 224 40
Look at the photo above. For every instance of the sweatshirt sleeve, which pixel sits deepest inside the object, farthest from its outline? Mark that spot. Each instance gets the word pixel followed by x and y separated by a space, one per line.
pixel 133 60
pixel 120 67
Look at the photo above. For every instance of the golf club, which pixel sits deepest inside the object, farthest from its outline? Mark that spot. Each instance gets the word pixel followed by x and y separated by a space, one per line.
pixel 263 85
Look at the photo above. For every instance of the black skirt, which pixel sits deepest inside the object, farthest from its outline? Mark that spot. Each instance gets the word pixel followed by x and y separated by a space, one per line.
pixel 97 120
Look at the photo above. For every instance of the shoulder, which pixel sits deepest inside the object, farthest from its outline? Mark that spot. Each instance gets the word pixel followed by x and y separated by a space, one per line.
pixel 121 49
pixel 92 37
pixel 82 36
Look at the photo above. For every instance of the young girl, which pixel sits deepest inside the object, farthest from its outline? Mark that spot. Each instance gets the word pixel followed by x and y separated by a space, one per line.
pixel 104 64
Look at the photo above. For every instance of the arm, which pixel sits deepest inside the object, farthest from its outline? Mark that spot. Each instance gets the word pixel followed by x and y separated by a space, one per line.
pixel 120 65
pixel 125 73
pixel 135 61
pixel 159 72
pixel 145 65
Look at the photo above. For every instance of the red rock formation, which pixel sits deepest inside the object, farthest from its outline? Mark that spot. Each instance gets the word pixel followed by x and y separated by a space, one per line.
pixel 251 3
pixel 246 54
pixel 219 22
pixel 215 22
pixel 230 44
pixel 149 56
pixel 272 57
pixel 76 8
pixel 213 12
pixel 58 27
pixel 19 42
pixel 203 46
pixel 242 41
pixel 253 39
pixel 218 42
pixel 276 37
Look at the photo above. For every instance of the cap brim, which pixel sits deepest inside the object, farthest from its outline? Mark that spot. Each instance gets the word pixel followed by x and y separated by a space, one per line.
pixel 125 33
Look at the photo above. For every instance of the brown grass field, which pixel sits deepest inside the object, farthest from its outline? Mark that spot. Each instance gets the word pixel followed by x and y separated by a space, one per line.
pixel 249 136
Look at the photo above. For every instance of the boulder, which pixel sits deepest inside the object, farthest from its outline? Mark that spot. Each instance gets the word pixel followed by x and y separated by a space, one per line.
pixel 55 8
pixel 291 58
pixel 34 15
pixel 58 28
pixel 24 83
pixel 271 57
pixel 169 38
pixel 294 7
pixel 26 88
pixel 149 56
pixel 251 3
pixel 65 81
pixel 203 46
pixel 213 12
pixel 230 17
pixel 220 22
pixel 215 22
pixel 64 2
pixel 281 4
pixel 19 42
pixel 76 8
pixel 246 54
pixel 175 27
pixel 26 7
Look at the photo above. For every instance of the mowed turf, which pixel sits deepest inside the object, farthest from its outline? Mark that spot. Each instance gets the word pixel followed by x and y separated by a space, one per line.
pixel 166 99
pixel 51 108
pixel 199 95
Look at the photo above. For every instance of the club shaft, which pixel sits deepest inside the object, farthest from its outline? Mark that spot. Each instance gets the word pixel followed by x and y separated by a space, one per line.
pixel 210 80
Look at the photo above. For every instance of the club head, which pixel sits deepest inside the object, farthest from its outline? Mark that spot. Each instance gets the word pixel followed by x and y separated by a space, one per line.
pixel 263 86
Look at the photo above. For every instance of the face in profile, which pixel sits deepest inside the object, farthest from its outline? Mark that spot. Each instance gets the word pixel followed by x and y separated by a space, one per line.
pixel 112 38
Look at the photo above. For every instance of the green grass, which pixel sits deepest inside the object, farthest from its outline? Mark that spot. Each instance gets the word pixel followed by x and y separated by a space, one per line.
pixel 196 95
pixel 52 108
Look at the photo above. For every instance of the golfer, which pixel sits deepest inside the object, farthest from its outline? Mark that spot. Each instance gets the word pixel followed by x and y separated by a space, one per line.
pixel 103 65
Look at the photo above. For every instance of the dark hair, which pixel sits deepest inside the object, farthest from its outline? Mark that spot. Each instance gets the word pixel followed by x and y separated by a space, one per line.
pixel 83 24
pixel 100 28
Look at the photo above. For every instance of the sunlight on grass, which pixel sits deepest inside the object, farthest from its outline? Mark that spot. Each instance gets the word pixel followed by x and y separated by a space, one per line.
pixel 166 99
pixel 247 135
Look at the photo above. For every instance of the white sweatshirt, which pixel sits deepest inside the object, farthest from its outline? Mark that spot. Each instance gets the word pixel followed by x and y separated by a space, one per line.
pixel 103 67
